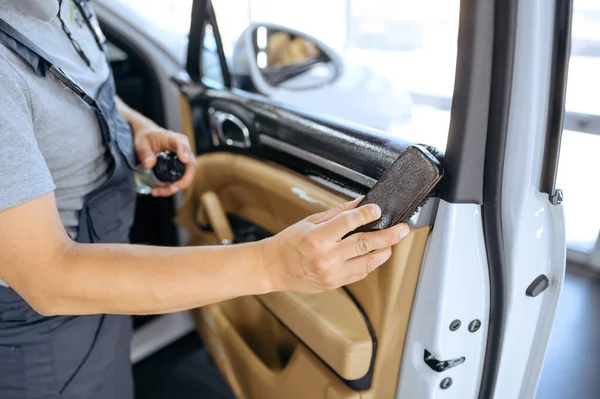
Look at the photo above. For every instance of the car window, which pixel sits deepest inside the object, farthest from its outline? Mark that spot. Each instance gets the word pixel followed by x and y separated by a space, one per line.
pixel 394 59
pixel 211 65
pixel 392 67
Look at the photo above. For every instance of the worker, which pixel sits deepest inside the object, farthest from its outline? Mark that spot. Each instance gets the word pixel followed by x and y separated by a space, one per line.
pixel 68 276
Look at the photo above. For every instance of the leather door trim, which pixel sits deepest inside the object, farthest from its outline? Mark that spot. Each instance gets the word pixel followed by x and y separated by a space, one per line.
pixel 358 384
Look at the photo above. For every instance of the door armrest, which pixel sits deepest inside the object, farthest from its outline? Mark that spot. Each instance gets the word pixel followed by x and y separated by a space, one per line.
pixel 330 325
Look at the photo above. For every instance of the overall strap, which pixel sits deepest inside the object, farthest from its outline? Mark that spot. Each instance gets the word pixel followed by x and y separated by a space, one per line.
pixel 41 63
pixel 24 48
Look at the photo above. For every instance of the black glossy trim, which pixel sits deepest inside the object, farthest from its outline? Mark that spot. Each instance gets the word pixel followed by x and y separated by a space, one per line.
pixel 203 13
pixel 505 25
pixel 315 160
pixel 561 50
pixel 194 51
pixel 465 150
pixel 363 150
pixel 212 17
pixel 364 382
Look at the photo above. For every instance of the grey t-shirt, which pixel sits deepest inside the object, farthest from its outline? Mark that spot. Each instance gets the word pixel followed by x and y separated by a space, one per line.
pixel 49 139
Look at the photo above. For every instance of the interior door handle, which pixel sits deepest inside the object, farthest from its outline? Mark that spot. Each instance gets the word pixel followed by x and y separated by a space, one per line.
pixel 217 217
pixel 229 130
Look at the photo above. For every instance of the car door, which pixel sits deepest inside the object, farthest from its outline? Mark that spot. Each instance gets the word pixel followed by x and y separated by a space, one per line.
pixel 433 318
pixel 262 167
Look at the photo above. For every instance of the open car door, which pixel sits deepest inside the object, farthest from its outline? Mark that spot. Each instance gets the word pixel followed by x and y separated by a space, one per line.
pixel 434 317
pixel 261 168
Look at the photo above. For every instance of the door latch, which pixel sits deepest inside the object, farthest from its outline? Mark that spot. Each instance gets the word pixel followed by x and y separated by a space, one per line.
pixel 441 365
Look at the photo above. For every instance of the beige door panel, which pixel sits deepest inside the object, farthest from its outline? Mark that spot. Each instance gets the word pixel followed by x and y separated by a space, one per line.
pixel 330 324
pixel 387 295
pixel 258 355
pixel 187 126
pixel 261 193
pixel 260 358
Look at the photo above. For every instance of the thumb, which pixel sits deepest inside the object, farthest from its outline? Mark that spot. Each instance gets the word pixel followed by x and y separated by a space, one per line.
pixel 145 154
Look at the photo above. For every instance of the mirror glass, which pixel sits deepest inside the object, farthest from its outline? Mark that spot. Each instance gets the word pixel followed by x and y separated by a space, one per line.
pixel 290 60
pixel 211 66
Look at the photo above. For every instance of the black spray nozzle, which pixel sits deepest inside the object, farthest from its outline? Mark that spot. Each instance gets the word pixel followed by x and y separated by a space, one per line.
pixel 168 167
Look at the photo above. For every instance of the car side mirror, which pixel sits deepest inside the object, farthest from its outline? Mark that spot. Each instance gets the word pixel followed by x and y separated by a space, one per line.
pixel 270 57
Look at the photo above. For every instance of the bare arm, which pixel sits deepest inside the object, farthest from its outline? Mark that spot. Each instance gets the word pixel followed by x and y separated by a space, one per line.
pixel 58 276
pixel 137 120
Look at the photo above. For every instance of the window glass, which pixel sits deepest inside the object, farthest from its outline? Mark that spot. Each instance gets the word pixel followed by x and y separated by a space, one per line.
pixel 211 65
pixel 390 63
pixel 396 59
